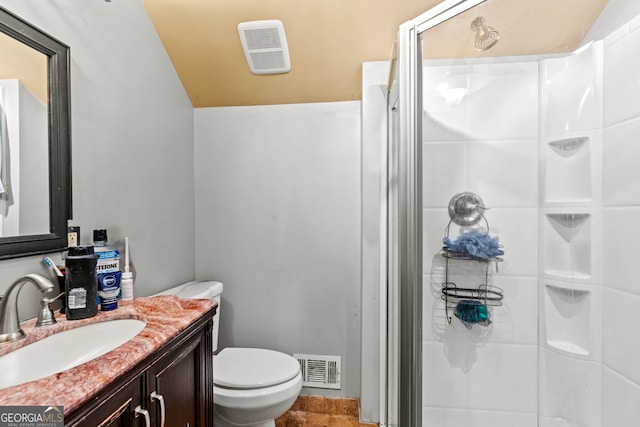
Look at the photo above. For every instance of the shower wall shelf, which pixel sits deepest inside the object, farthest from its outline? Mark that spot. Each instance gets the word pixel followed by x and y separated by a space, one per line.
pixel 567 244
pixel 568 146
pixel 467 210
pixel 571 165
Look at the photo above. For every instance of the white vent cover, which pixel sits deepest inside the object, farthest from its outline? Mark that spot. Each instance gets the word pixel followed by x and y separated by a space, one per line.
pixel 320 371
pixel 265 46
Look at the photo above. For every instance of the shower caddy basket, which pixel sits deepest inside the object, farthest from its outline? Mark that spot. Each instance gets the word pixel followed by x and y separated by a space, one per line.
pixel 467 209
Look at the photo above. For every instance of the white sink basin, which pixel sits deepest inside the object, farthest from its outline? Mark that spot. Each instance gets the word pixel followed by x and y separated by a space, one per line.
pixel 65 350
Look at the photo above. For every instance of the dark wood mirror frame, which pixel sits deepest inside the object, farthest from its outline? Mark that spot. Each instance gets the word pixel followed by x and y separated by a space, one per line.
pixel 59 117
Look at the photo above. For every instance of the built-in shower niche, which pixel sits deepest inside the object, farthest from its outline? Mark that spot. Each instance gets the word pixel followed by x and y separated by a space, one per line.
pixel 567 169
pixel 567 318
pixel 566 246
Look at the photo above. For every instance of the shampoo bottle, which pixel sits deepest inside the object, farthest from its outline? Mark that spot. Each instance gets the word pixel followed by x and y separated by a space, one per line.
pixel 81 284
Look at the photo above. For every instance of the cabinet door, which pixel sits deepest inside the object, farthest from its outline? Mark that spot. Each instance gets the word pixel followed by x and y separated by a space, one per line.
pixel 118 410
pixel 183 379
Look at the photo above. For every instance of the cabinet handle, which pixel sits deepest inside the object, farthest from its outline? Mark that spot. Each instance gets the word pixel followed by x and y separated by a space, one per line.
pixel 145 413
pixel 156 396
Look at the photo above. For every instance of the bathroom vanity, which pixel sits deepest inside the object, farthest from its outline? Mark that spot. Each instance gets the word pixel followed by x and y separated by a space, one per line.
pixel 161 377
pixel 174 380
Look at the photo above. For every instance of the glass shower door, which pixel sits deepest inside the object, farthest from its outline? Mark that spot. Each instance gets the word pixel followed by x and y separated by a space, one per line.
pixel 405 241
pixel 535 135
pixel 479 137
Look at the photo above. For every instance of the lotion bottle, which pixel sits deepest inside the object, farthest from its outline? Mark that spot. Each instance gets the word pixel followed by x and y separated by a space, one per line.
pixel 126 282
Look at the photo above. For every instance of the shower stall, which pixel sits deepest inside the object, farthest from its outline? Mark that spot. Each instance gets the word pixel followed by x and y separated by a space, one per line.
pixel 539 142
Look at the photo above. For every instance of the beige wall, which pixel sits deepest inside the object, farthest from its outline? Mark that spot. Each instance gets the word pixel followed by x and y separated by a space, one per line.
pixel 21 62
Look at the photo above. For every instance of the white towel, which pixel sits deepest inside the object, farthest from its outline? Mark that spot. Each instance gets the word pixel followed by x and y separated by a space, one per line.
pixel 2 142
pixel 6 195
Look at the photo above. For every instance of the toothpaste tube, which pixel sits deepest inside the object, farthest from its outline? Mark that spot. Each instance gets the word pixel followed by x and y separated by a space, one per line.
pixel 108 290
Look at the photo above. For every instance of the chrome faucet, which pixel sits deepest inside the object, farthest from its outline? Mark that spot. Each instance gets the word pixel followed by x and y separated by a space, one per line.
pixel 9 323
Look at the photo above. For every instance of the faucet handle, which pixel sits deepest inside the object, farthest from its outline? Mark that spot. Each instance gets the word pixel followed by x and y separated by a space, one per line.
pixel 46 316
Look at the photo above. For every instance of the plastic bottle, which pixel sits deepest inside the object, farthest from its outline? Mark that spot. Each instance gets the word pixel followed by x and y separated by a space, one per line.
pixel 108 258
pixel 108 269
pixel 126 282
pixel 81 284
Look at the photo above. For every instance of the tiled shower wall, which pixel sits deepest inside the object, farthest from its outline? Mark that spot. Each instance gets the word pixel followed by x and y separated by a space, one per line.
pixel 481 135
pixel 564 200
pixel 621 228
pixel 570 239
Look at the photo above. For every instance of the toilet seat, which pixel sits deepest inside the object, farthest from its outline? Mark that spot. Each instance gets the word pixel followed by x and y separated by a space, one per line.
pixel 252 368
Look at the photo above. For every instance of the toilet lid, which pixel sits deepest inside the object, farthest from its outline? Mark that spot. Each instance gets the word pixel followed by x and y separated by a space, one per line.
pixel 204 289
pixel 244 368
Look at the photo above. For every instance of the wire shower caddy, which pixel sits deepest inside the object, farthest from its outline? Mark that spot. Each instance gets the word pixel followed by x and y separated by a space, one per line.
pixel 467 209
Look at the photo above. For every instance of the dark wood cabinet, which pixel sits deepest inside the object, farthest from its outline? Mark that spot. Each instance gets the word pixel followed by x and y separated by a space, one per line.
pixel 183 385
pixel 174 383
pixel 116 411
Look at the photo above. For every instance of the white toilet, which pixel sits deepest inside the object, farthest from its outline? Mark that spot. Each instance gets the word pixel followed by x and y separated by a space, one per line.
pixel 252 386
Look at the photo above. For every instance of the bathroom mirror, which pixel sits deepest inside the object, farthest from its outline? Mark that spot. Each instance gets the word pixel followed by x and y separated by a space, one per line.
pixel 35 140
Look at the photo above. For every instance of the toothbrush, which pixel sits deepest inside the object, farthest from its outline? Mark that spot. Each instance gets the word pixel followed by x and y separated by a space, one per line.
pixel 52 266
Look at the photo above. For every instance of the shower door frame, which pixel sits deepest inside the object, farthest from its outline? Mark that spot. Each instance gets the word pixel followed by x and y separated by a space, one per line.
pixel 404 222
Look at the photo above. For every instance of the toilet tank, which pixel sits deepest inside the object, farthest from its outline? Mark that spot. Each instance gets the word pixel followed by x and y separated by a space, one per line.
pixel 201 289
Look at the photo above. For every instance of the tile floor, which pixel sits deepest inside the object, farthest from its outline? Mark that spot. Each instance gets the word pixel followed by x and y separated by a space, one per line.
pixel 320 411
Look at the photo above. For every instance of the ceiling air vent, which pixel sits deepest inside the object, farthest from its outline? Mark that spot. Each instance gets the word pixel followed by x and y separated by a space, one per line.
pixel 265 46
pixel 320 371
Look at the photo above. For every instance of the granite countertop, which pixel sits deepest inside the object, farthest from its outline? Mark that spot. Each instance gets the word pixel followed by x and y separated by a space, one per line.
pixel 165 317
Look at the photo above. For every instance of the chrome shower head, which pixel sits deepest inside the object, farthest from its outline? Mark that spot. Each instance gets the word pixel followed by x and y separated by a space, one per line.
pixel 486 37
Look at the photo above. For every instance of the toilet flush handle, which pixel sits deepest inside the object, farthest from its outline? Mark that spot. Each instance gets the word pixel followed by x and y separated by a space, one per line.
pixel 155 396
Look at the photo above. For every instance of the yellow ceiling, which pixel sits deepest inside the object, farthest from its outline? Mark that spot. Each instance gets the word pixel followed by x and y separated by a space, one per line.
pixel 330 39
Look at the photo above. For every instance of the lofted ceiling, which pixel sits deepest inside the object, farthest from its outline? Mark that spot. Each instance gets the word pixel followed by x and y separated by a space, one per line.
pixel 330 39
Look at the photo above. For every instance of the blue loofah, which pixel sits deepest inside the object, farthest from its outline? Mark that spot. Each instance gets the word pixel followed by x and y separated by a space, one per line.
pixel 474 244
pixel 471 312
